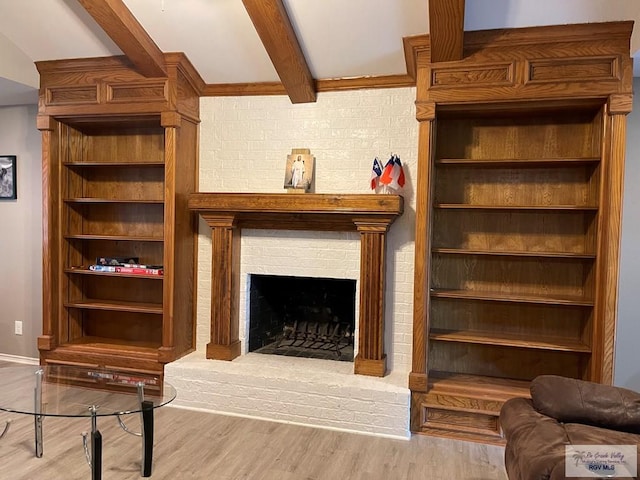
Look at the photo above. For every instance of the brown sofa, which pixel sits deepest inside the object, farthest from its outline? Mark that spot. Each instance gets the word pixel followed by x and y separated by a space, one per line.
pixel 564 411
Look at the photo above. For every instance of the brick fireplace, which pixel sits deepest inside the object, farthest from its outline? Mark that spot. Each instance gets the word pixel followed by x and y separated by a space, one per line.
pixel 291 389
pixel 228 213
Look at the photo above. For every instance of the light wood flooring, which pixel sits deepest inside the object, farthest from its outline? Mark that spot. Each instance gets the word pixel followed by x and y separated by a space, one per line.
pixel 199 445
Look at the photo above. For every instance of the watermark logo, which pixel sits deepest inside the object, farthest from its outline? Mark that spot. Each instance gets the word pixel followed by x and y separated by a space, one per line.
pixel 601 461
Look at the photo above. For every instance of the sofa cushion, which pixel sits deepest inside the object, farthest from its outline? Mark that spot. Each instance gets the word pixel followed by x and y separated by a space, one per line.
pixel 535 443
pixel 570 400
pixel 535 448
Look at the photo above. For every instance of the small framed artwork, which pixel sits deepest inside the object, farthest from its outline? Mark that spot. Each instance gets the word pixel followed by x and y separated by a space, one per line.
pixel 8 178
pixel 298 174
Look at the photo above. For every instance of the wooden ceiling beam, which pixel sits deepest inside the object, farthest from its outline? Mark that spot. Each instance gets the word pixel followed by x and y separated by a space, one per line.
pixel 123 28
pixel 274 28
pixel 446 30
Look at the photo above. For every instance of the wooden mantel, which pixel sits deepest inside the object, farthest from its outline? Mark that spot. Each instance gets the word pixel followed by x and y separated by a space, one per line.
pixel 228 213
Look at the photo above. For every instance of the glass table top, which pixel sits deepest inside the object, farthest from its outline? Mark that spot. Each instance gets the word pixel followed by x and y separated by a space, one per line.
pixel 69 391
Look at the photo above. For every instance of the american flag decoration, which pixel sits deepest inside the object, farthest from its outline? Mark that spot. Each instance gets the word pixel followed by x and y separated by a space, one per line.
pixel 392 177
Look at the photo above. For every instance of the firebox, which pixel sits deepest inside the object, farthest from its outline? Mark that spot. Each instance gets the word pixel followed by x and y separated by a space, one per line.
pixel 302 316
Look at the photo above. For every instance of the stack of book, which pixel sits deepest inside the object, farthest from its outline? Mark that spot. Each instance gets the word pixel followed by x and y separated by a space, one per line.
pixel 130 265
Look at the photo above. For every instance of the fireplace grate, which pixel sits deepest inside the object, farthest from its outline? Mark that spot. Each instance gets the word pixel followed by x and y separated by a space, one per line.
pixel 333 336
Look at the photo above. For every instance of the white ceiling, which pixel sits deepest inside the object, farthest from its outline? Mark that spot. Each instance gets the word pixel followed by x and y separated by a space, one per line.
pixel 340 38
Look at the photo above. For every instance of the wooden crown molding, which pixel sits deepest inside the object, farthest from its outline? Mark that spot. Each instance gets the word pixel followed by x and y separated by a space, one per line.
pixel 579 32
pixel 323 85
pixel 446 30
pixel 123 28
pixel 274 28
pixel 418 48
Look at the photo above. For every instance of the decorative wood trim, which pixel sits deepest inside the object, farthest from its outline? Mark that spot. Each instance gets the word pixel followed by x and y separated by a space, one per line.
pixel 446 30
pixel 170 119
pixel 414 46
pixel 45 122
pixel 225 271
pixel 71 95
pixel 609 229
pixel 371 359
pixel 494 75
pixel 272 23
pixel 228 213
pixel 243 89
pixel 358 83
pixel 123 28
pixel 323 85
pixel 180 62
pixel 425 111
pixel 518 37
pixel 620 104
pixel 421 297
pixel 579 68
pixel 152 90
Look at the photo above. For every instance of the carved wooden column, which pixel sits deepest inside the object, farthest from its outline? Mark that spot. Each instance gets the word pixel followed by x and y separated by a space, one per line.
pixel 371 359
pixel 50 231
pixel 225 268
pixel 418 378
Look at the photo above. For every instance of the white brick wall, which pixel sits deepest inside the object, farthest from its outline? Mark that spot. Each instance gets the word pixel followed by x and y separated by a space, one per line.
pixel 244 142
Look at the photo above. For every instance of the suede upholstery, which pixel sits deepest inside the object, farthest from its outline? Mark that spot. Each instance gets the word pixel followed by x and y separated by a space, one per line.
pixel 562 412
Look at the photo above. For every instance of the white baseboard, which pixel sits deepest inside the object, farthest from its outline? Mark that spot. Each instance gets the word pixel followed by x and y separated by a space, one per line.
pixel 19 359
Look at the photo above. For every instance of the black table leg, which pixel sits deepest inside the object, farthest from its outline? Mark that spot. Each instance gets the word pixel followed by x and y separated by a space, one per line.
pixel 96 446
pixel 96 455
pixel 147 438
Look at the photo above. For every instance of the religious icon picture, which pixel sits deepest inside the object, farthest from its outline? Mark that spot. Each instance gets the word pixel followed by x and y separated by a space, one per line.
pixel 299 170
pixel 8 187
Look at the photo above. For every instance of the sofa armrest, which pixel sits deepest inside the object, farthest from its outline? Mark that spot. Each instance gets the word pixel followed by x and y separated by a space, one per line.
pixel 569 400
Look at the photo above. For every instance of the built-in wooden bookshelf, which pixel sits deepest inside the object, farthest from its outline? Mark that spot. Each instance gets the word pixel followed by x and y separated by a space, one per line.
pixel 117 175
pixel 517 220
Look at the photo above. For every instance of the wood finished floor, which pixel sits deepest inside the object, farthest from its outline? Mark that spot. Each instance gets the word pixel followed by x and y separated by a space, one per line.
pixel 199 445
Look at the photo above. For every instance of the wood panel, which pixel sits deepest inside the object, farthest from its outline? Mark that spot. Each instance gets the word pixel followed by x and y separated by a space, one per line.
pixel 504 362
pixel 272 23
pixel 520 232
pixel 446 29
pixel 520 237
pixel 121 173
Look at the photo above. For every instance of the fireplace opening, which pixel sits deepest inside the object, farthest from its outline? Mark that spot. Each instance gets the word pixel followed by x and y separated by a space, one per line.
pixel 302 316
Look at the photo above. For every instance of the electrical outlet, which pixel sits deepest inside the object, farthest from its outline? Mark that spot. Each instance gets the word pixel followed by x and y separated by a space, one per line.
pixel 18 327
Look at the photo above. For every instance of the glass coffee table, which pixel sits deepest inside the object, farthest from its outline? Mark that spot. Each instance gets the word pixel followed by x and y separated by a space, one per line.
pixel 70 391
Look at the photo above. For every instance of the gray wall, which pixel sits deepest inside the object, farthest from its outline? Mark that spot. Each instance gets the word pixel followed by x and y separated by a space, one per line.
pixel 21 234
pixel 627 363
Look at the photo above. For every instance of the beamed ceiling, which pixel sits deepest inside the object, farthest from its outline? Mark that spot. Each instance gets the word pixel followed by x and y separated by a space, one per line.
pixel 290 47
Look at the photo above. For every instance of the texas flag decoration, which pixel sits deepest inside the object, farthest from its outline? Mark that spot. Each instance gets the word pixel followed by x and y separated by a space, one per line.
pixel 393 174
pixel 376 171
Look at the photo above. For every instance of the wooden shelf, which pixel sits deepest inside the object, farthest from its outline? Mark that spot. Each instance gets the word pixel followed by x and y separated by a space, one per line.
pixel 514 253
pixel 86 271
pixel 517 162
pixel 111 200
pixel 111 345
pixel 510 297
pixel 116 238
pixel 491 387
pixel 113 164
pixel 116 306
pixel 509 340
pixel 559 208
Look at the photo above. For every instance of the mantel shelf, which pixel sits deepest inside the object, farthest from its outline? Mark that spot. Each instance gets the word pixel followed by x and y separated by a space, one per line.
pixel 299 212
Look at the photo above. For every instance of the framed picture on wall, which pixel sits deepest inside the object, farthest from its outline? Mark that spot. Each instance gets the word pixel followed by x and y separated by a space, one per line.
pixel 299 171
pixel 8 178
